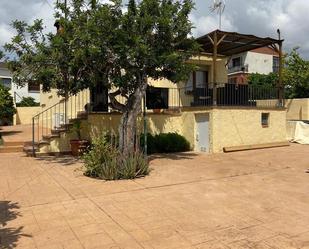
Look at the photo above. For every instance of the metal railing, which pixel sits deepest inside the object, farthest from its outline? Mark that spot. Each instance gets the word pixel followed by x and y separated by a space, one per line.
pixel 241 95
pixel 241 68
pixel 16 95
pixel 58 116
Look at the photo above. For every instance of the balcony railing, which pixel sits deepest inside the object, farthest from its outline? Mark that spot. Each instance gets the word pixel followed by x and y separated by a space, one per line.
pixel 241 68
pixel 226 95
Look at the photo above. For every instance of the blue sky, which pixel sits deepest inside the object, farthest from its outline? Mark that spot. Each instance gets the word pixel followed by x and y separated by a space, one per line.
pixel 259 17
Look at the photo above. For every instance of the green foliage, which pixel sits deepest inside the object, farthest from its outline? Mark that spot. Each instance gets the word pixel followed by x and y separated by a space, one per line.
pixel 296 76
pixel 106 162
pixel 101 160
pixel 165 143
pixel 101 43
pixel 151 143
pixel 7 109
pixel 27 102
pixel 77 129
pixel 268 80
pixel 133 166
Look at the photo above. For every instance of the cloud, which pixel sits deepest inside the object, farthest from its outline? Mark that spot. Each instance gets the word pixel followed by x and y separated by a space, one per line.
pixel 206 24
pixel 260 17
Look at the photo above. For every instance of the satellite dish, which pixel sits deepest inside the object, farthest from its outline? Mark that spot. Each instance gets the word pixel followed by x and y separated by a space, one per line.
pixel 219 6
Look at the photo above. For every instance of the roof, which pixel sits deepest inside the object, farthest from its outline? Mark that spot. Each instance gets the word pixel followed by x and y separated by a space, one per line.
pixel 234 43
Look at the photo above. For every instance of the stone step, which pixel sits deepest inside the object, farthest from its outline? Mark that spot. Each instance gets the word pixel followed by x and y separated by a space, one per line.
pixel 29 150
pixel 49 137
pixel 11 149
pixel 58 131
pixel 12 143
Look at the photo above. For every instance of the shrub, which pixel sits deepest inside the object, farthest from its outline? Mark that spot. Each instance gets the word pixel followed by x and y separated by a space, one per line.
pixel 171 142
pixel 134 166
pixel 105 161
pixel 7 109
pixel 166 143
pixel 27 102
pixel 151 143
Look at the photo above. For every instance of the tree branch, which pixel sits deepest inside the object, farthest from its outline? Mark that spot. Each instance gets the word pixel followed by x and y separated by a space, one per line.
pixel 114 103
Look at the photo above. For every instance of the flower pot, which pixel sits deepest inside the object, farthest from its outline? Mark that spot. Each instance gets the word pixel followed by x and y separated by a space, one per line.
pixel 78 147
pixel 157 110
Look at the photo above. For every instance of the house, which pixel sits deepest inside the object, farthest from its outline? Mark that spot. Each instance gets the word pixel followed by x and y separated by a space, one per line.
pixel 213 114
pixel 18 92
pixel 263 60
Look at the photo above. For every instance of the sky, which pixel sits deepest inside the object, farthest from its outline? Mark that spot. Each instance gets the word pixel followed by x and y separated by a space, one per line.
pixel 258 17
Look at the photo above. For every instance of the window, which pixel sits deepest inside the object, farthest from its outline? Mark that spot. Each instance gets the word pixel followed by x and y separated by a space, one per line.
pixel 32 87
pixel 157 98
pixel 275 64
pixel 236 62
pixel 201 79
pixel 7 82
pixel 198 79
pixel 265 119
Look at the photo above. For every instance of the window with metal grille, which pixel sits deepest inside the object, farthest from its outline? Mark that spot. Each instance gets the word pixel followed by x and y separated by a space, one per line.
pixel 265 119
pixel 32 87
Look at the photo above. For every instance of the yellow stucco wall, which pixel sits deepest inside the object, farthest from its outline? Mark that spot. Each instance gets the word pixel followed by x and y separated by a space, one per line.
pixel 227 127
pixel 24 114
pixel 297 109
pixel 234 127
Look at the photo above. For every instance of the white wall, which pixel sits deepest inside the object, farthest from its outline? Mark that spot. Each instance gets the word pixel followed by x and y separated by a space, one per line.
pixel 259 63
pixel 21 91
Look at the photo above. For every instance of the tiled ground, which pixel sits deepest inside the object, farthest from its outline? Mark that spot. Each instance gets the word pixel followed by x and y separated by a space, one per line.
pixel 256 199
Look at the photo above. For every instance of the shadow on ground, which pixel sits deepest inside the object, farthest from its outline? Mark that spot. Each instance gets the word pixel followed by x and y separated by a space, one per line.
pixel 9 236
pixel 70 160
pixel 173 156
pixel 62 160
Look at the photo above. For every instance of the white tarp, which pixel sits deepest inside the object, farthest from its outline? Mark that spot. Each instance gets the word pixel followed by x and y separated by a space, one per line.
pixel 301 134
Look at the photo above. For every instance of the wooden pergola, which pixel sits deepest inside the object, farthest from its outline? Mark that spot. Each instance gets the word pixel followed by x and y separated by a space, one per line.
pixel 224 43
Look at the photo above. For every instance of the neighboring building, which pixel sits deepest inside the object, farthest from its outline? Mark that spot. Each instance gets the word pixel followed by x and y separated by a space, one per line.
pixel 263 60
pixel 18 92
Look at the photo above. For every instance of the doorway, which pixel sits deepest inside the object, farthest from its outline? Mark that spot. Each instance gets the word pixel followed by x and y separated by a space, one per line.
pixel 99 98
pixel 202 132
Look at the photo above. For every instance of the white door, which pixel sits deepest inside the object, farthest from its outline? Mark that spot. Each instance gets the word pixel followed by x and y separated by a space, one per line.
pixel 202 132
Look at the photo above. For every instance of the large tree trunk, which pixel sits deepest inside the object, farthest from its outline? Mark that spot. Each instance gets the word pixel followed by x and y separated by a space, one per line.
pixel 128 123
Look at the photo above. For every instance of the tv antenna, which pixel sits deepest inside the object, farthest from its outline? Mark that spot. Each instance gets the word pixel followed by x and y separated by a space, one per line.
pixel 219 6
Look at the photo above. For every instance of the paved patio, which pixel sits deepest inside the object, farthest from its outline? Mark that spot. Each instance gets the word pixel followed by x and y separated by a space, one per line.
pixel 255 199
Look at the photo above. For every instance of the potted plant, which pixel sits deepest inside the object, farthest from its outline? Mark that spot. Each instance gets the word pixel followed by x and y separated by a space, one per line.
pixel 79 145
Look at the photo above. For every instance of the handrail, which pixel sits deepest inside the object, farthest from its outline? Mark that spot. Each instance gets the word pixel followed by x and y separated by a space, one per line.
pixel 16 94
pixel 48 108
pixel 57 115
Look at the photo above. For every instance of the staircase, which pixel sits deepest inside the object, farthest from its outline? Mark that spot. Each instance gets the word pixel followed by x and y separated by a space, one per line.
pixel 52 126
pixel 11 147
pixel 14 138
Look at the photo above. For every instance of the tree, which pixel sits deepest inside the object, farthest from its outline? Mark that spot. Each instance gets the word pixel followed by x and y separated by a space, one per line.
pixel 296 76
pixel 150 40
pixel 267 80
pixel 7 109
pixel 104 44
